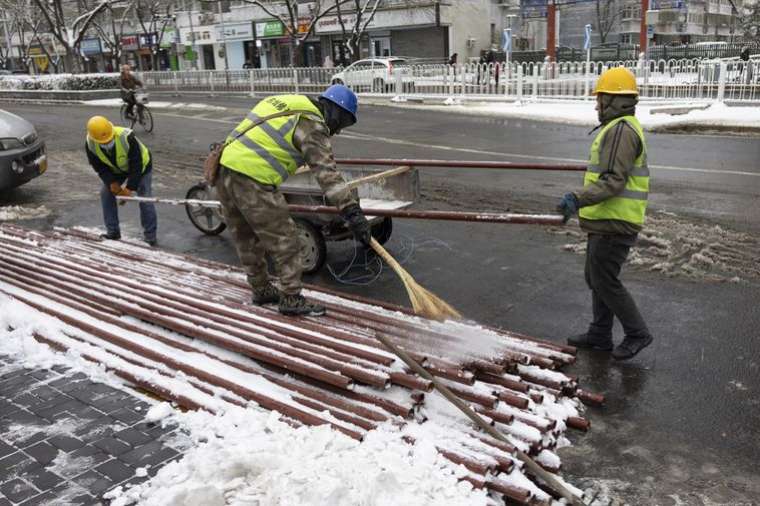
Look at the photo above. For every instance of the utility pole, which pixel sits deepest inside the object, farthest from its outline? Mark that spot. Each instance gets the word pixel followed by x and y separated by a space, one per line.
pixel 224 36
pixel 551 30
pixel 643 33
pixel 194 63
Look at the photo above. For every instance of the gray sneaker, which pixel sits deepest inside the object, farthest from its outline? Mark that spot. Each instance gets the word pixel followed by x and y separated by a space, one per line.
pixel 267 294
pixel 297 305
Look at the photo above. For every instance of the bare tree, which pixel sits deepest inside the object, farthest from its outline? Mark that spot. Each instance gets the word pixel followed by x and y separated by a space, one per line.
pixel 68 28
pixel 154 16
pixel 363 13
pixel 290 13
pixel 24 24
pixel 116 21
pixel 607 17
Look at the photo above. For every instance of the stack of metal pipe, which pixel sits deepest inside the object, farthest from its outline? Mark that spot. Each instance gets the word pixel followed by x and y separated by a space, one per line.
pixel 184 329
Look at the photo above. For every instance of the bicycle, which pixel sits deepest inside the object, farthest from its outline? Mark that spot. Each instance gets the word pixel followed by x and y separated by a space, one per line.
pixel 140 112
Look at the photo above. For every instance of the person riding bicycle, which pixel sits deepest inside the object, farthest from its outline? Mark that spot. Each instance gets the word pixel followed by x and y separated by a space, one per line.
pixel 129 84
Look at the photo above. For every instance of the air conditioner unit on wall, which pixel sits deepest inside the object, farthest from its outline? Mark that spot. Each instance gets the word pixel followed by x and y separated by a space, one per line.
pixel 471 42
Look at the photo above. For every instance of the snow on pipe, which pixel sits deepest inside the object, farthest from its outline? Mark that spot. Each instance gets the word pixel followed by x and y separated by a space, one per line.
pixel 523 400
pixel 466 164
pixel 527 386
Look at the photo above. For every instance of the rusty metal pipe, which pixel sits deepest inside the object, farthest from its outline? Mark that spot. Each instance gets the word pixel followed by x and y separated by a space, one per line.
pixel 264 401
pixel 576 422
pixel 252 351
pixel 462 164
pixel 511 218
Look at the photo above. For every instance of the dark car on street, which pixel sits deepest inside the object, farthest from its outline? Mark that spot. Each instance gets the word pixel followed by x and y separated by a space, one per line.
pixel 22 152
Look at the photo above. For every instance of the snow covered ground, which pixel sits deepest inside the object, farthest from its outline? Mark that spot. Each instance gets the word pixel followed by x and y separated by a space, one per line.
pixel 578 112
pixel 9 213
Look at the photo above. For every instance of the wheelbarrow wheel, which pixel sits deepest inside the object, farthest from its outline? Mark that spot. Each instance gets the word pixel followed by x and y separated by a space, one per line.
pixel 382 231
pixel 208 220
pixel 313 247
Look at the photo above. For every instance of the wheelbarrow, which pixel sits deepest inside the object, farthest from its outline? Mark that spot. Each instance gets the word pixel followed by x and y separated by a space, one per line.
pixel 399 189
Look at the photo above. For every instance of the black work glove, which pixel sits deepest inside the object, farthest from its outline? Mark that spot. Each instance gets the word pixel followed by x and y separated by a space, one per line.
pixel 568 206
pixel 357 223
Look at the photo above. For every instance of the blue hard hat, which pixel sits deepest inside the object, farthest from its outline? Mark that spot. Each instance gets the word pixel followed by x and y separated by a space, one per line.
pixel 343 97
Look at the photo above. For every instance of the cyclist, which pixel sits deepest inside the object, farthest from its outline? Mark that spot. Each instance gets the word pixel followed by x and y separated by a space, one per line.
pixel 129 84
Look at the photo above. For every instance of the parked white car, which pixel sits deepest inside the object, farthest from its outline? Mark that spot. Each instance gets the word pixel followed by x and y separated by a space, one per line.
pixel 374 74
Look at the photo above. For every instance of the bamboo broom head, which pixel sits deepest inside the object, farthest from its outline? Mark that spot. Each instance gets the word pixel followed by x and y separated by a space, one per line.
pixel 424 302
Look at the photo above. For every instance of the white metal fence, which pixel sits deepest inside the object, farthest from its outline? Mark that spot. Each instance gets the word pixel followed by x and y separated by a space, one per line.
pixel 683 80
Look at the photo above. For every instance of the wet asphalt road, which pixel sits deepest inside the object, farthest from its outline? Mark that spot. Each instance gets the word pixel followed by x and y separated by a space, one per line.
pixel 682 421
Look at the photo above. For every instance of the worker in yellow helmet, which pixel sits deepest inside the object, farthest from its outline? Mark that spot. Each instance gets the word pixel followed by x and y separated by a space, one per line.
pixel 611 208
pixel 125 166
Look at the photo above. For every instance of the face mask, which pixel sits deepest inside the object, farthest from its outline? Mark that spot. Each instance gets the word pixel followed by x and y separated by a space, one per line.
pixel 108 146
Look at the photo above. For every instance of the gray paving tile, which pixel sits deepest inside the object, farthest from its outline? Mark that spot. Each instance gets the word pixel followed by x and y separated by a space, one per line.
pixel 66 443
pixel 45 392
pixel 43 452
pixel 134 437
pixel 5 449
pixel 41 478
pixel 6 408
pixel 112 446
pixel 94 482
pixel 127 416
pixel 148 455
pixel 40 374
pixel 18 490
pixel 5 502
pixel 116 470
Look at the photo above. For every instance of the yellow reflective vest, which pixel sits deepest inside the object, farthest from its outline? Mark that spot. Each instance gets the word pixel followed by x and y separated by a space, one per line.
pixel 631 204
pixel 266 153
pixel 122 151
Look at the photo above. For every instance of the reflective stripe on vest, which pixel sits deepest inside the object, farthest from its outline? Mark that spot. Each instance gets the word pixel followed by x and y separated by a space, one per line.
pixel 266 153
pixel 631 204
pixel 121 141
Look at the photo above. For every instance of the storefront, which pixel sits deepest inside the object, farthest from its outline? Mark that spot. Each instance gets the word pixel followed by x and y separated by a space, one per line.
pixel 129 46
pixel 198 53
pixel 233 38
pixel 275 48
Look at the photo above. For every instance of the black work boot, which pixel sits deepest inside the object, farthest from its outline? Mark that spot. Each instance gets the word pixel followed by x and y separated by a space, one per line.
pixel 113 236
pixel 266 294
pixel 297 305
pixel 591 342
pixel 630 347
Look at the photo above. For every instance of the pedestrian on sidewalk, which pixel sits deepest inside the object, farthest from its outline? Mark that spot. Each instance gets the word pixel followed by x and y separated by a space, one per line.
pixel 118 156
pixel 295 130
pixel 612 207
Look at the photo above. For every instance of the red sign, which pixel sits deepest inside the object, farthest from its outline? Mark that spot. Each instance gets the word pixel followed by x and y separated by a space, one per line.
pixel 129 43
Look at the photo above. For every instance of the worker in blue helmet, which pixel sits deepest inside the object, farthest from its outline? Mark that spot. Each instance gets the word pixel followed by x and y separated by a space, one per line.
pixel 279 135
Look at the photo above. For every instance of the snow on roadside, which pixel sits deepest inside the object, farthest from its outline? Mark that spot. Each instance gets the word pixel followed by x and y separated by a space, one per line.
pixel 8 213
pixel 581 112
pixel 250 457
pixel 117 102
pixel 247 455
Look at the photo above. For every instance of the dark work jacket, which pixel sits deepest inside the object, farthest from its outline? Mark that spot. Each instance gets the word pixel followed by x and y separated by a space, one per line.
pixel 135 173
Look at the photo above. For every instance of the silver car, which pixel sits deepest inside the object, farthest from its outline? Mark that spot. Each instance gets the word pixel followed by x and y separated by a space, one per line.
pixel 22 152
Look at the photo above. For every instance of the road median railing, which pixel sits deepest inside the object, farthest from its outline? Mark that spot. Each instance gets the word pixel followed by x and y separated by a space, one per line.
pixel 658 80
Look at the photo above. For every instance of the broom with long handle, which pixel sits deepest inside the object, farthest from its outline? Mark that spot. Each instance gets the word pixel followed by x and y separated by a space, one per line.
pixel 424 302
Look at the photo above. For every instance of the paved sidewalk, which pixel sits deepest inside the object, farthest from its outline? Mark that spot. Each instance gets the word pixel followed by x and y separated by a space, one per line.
pixel 65 439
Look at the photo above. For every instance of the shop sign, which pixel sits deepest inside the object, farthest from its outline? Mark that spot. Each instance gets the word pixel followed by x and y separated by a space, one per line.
pixel 238 31
pixel 90 47
pixel 407 18
pixel 169 38
pixel 129 43
pixel 270 29
pixel 148 40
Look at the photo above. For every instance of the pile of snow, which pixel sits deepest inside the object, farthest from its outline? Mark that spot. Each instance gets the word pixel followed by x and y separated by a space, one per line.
pixel 61 82
pixel 9 213
pixel 250 457
pixel 582 112
pixel 673 245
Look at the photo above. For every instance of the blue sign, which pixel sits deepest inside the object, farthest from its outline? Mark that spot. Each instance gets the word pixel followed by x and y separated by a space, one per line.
pixel 90 47
pixel 587 40
pixel 506 41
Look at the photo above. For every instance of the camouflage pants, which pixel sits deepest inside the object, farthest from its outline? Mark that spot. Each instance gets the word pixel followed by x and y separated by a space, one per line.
pixel 260 223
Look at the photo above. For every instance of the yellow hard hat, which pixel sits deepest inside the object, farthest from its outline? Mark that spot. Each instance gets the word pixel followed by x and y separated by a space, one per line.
pixel 616 81
pixel 100 129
